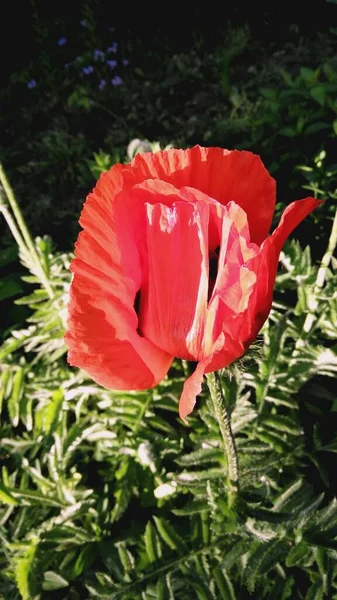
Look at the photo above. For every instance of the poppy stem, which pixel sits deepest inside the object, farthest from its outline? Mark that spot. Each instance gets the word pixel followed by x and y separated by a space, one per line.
pixel 223 417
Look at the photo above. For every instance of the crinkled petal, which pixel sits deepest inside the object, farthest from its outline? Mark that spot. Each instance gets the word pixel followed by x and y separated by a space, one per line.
pixel 266 267
pixel 224 175
pixel 235 281
pixel 102 334
pixel 240 331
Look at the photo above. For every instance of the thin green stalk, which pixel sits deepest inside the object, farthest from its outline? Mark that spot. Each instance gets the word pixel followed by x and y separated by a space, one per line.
pixel 223 417
pixel 320 281
pixel 13 227
pixel 25 234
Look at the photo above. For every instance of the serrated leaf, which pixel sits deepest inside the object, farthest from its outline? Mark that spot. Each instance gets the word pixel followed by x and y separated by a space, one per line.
pixel 288 493
pixel 38 295
pixel 195 477
pixel 269 516
pixel 191 508
pixel 264 558
pixel 169 535
pixel 315 592
pixel 31 497
pixel 126 557
pixel 238 549
pixel 282 423
pixel 224 584
pixel 23 571
pixel 278 443
pixel 203 455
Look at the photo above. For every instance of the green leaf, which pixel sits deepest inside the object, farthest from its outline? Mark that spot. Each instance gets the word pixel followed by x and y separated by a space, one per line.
pixel 278 443
pixel 169 535
pixel 66 534
pixel 307 74
pixel 318 93
pixel 203 455
pixel 288 132
pixel 53 581
pixel 24 569
pixel 196 477
pixel 151 542
pixel 4 381
pixel 9 287
pixel 282 423
pixel 288 493
pixel 224 584
pixel 191 508
pixel 35 498
pixel 238 548
pixel 83 560
pixel 52 411
pixel 319 126
pixel 15 397
pixel 315 592
pixel 37 296
pixel 6 497
pixel 126 557
pixel 268 93
pixel 262 559
pixel 297 553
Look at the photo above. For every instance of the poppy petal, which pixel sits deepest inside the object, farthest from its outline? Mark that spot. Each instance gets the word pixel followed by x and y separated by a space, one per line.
pixel 266 265
pixel 240 331
pixel 174 298
pixel 223 175
pixel 192 386
pixel 102 335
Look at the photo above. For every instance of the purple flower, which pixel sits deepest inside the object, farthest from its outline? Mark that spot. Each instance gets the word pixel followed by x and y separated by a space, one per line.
pixel 116 80
pixel 62 41
pixel 83 22
pixel 99 55
pixel 67 65
pixel 111 63
pixel 111 29
pixel 112 48
pixel 125 62
pixel 102 84
pixel 31 84
pixel 88 70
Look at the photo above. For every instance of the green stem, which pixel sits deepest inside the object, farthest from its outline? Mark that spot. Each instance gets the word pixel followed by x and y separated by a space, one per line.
pixel 13 227
pixel 223 417
pixel 24 232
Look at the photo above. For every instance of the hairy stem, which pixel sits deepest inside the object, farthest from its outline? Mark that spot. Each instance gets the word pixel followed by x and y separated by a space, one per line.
pixel 222 415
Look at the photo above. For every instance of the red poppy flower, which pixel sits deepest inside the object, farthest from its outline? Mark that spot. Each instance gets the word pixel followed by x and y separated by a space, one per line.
pixel 175 260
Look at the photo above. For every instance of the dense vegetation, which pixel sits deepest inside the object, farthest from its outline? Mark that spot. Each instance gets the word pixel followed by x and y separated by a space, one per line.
pixel 109 495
